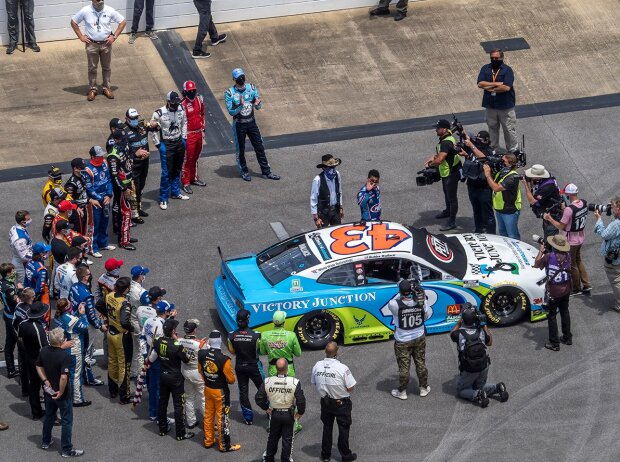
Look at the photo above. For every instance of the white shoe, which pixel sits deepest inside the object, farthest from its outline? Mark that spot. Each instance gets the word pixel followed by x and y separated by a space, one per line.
pixel 425 391
pixel 97 255
pixel 170 420
pixel 182 197
pixel 89 262
pixel 91 362
pixel 163 205
pixel 399 394
pixel 109 247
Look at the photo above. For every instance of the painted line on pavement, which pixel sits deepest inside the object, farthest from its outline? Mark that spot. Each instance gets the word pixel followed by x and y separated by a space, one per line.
pixel 280 231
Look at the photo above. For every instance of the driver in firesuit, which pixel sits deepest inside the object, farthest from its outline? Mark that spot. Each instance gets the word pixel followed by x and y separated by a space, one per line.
pixel 194 108
pixel 280 343
pixel 37 277
pixel 194 385
pixel 99 189
pixel 54 180
pixel 215 368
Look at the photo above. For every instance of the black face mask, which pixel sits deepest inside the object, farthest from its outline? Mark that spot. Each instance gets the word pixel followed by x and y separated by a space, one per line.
pixel 496 63
pixel 240 80
pixel 173 107
pixel 191 94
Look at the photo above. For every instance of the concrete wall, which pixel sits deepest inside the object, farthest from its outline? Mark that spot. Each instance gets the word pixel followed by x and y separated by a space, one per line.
pixel 52 16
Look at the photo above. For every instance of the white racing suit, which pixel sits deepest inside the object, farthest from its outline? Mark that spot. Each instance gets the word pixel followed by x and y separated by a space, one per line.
pixel 194 383
pixel 137 296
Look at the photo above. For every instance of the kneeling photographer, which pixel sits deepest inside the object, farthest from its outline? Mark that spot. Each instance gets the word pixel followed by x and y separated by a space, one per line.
pixel 448 162
pixel 472 337
pixel 557 263
pixel 610 248
pixel 477 153
pixel 543 194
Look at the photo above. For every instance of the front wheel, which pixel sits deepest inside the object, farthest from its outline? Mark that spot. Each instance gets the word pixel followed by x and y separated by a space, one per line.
pixel 505 306
pixel 317 328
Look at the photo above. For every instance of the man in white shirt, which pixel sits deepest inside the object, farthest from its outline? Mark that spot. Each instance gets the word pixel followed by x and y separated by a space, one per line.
pixel 64 275
pixel 21 244
pixel 98 38
pixel 326 194
pixel 334 382
pixel 410 311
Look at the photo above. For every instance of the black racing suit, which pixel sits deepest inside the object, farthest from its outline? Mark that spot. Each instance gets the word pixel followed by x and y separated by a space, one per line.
pixel 120 165
pixel 8 294
pixel 76 189
pixel 137 138
pixel 244 344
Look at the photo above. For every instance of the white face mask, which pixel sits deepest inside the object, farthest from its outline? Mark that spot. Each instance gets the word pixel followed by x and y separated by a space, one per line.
pixel 27 223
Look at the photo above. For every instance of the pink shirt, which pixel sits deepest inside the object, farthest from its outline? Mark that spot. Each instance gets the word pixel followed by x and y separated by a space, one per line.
pixel 573 238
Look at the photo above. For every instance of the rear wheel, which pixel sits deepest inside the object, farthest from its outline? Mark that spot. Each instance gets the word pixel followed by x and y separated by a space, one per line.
pixel 317 328
pixel 504 306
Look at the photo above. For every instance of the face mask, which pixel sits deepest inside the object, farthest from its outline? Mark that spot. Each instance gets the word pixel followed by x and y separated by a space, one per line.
pixel 96 161
pixel 173 107
pixel 116 272
pixel 191 94
pixel 240 80
pixel 496 63
pixel 133 122
pixel 27 223
pixel 98 5
pixel 65 232
pixel 330 173
pixel 90 279
pixel 12 277
pixel 69 213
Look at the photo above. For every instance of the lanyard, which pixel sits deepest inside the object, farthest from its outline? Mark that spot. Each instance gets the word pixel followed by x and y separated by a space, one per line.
pixel 495 74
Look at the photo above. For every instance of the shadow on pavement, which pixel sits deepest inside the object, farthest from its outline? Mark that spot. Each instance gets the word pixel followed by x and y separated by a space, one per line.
pixel 83 89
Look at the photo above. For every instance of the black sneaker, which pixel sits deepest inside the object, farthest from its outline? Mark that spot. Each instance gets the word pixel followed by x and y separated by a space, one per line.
pixel 127 246
pixel 200 183
pixel 187 436
pixel 246 177
pixel 566 341
pixel 137 220
pixel 165 432
pixel 400 16
pixel 46 446
pixel 187 189
pixel 448 226
pixel 82 404
pixel 586 290
pixel 351 457
pixel 142 213
pixel 444 214
pixel 12 374
pixel 73 453
pixel 552 346
pixel 200 54
pixel 133 240
pixel 380 12
pixel 11 49
pixel 483 399
pixel 220 39
pixel 271 176
pixel 501 391
pixel 575 292
pixel 34 47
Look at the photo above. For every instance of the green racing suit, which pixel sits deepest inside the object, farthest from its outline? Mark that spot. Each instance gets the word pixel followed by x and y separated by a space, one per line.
pixel 280 343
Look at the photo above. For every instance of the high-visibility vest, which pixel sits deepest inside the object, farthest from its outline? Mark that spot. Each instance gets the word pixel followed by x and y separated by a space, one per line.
pixel 498 197
pixel 444 167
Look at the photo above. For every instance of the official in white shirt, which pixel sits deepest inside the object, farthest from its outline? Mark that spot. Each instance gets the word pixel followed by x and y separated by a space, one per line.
pixel 334 382
pixel 98 19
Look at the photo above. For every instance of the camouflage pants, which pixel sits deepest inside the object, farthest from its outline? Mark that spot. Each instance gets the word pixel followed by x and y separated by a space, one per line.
pixel 404 352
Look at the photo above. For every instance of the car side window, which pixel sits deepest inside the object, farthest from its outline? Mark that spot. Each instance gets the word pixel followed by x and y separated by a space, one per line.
pixel 384 271
pixel 343 275
pixel 428 274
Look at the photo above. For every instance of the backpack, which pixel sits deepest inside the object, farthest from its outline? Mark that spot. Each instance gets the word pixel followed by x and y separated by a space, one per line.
pixel 473 357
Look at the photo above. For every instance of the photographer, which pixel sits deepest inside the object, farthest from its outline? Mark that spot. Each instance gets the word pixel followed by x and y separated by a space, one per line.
pixel 449 165
pixel 610 248
pixel 410 311
pixel 543 194
pixel 556 264
pixel 573 223
pixel 506 196
pixel 472 338
pixel 480 194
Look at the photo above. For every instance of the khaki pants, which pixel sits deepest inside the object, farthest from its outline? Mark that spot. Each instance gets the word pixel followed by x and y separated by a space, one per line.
pixel 613 273
pixel 96 52
pixel 579 275
pixel 507 119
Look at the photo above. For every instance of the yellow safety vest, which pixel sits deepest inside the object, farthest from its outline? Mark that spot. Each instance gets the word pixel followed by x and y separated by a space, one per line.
pixel 444 167
pixel 498 197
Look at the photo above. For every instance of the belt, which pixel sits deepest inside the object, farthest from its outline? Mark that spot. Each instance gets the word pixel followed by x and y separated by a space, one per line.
pixel 194 131
pixel 281 410
pixel 338 401
pixel 101 42
pixel 176 140
pixel 244 121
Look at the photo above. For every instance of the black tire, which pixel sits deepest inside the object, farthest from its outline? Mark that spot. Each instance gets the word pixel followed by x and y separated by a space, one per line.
pixel 317 328
pixel 505 306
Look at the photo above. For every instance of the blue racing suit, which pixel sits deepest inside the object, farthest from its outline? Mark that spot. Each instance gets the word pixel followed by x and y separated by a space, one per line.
pixel 370 203
pixel 75 327
pixel 37 278
pixel 80 293
pixel 98 184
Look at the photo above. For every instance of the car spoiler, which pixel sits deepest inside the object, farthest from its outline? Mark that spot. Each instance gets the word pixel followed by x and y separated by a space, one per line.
pixel 226 272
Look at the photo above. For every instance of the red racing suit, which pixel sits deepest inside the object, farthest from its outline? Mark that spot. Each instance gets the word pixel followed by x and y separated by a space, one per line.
pixel 195 112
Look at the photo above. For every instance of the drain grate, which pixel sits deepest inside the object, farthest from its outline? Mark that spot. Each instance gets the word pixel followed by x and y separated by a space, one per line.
pixel 511 44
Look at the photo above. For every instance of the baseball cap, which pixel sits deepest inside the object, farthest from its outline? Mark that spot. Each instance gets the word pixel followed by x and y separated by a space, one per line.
pixel 169 326
pixel 112 263
pixel 279 317
pixel 118 134
pixel 571 188
pixel 132 113
pixel 77 240
pixel 97 151
pixel 156 292
pixel 57 193
pixel 40 247
pixel 190 325
pixel 65 206
pixel 117 123
pixel 215 339
pixel 164 306
pixel 243 315
pixel 64 224
pixel 54 173
pixel 404 286
pixel 139 270
pixel 442 123
pixel 173 97
pixel 237 72
pixel 78 162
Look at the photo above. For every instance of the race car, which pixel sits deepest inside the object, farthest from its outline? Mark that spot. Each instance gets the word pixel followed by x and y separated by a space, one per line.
pixel 337 282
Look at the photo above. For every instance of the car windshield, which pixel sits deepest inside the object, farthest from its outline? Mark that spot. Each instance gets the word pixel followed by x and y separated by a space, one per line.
pixel 285 259
pixel 444 252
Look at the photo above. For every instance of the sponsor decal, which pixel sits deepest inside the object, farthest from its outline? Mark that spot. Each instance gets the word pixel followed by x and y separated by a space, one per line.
pixel 316 302
pixel 296 286
pixel 439 249
pixel 470 283
pixel 320 245
pixel 481 247
pixel 453 318
pixel 485 270
pixel 454 309
pixel 359 321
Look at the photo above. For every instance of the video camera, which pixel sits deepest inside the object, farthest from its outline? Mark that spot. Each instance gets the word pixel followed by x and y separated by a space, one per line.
pixel 611 255
pixel 600 208
pixel 471 315
pixel 426 176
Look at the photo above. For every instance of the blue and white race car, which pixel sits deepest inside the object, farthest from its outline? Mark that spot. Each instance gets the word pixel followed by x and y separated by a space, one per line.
pixel 337 282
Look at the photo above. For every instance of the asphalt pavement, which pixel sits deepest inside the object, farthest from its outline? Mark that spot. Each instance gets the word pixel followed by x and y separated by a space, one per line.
pixel 562 406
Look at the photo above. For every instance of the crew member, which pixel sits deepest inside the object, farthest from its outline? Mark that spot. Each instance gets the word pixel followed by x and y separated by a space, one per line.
pixel 54 180
pixel 99 188
pixel 506 196
pixel 56 196
pixel 369 198
pixel 556 264
pixel 12 18
pixel 410 311
pixel 326 194
pixel 8 294
pixel 171 142
pixel 610 247
pixel 37 277
pixel 244 344
pixel 171 354
pixel 76 191
pixel 573 223
pixel 217 373
pixel 449 165
pixel 137 133
pixel 543 194
pixel 20 242
pixel 241 101
pixel 205 25
pixel 283 399
pixel 383 9
pixel 194 385
pixel 194 108
pixel 334 382
pixel 138 8
pixel 472 340
pixel 119 341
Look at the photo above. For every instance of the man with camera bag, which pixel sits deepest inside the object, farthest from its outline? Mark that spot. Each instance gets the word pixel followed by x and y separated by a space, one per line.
pixel 410 311
pixel 449 165
pixel 543 194
pixel 506 196
pixel 557 265
pixel 472 337
pixel 610 247
pixel 478 153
